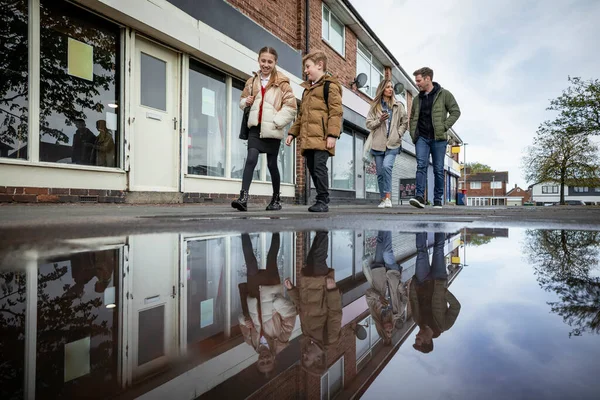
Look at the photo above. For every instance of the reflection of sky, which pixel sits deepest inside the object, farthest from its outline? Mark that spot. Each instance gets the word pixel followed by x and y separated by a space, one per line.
pixel 505 344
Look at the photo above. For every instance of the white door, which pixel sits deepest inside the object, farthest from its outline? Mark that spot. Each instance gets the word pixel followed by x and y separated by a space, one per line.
pixel 154 275
pixel 155 144
pixel 359 145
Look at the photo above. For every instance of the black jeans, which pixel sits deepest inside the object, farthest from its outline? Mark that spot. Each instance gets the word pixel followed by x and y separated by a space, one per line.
pixel 258 277
pixel 316 161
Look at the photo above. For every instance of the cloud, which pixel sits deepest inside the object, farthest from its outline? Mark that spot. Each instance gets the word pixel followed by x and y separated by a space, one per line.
pixel 503 61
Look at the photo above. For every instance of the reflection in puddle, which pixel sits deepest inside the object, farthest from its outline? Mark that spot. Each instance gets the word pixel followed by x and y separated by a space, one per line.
pixel 301 314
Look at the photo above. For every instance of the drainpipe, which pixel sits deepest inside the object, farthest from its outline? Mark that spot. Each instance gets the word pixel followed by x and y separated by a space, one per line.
pixel 307 177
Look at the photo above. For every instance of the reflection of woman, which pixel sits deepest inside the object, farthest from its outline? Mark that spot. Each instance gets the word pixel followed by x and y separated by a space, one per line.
pixel 434 308
pixel 268 318
pixel 319 303
pixel 83 144
pixel 273 107
pixel 105 146
pixel 387 121
pixel 387 296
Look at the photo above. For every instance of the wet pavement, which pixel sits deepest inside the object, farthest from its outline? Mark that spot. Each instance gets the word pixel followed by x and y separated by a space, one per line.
pixel 378 305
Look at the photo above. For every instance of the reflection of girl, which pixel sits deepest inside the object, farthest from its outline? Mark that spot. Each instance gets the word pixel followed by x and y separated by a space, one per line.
pixel 387 121
pixel 104 146
pixel 387 297
pixel 273 107
pixel 268 318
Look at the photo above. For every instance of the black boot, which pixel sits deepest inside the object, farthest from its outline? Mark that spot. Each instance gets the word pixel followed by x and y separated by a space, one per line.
pixel 275 204
pixel 242 202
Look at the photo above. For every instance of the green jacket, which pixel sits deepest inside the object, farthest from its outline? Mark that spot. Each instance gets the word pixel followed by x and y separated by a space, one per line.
pixel 444 103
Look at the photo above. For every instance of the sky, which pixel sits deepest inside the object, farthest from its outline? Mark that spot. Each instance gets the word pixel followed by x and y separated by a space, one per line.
pixel 502 60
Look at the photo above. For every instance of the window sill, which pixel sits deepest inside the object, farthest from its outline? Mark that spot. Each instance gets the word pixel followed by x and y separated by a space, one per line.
pixel 221 178
pixel 77 167
pixel 333 48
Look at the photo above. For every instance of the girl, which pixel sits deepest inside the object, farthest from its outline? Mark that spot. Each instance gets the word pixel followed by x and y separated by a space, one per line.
pixel 387 121
pixel 273 107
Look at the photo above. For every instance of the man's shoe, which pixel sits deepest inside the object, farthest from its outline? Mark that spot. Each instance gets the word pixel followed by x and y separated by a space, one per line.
pixel 388 203
pixel 319 206
pixel 382 204
pixel 242 202
pixel 437 204
pixel 417 202
pixel 275 204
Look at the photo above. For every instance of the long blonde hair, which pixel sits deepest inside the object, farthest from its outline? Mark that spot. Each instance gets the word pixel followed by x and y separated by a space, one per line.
pixel 376 103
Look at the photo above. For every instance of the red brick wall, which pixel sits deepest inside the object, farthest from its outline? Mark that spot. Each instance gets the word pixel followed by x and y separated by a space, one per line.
pixel 283 18
pixel 486 189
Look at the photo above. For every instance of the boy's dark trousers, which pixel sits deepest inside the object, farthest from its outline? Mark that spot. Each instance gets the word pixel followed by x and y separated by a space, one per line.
pixel 316 161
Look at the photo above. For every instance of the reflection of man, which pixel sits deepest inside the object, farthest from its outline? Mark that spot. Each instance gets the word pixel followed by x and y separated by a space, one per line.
pixel 83 144
pixel 105 146
pixel 319 303
pixel 434 308
pixel 387 296
pixel 268 318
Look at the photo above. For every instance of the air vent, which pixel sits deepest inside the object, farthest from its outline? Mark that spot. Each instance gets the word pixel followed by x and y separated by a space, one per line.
pixel 88 199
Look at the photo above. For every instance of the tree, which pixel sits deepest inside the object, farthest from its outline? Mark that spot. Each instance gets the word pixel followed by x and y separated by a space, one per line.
pixel 579 107
pixel 476 167
pixel 559 157
pixel 564 262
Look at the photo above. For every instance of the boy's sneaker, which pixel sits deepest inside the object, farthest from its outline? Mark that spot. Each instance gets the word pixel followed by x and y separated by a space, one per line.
pixel 437 204
pixel 417 202
pixel 382 204
pixel 388 203
pixel 319 206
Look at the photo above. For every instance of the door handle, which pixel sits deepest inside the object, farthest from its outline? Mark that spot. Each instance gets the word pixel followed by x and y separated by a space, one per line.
pixel 174 123
pixel 359 175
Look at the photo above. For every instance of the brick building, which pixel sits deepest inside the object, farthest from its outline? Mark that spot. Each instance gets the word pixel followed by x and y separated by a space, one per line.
pixel 486 188
pixel 517 196
pixel 160 80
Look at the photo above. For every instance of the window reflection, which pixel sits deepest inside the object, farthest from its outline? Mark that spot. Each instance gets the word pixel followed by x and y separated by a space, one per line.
pixel 285 162
pixel 239 148
pixel 343 163
pixel 79 81
pixel 207 121
pixel 13 79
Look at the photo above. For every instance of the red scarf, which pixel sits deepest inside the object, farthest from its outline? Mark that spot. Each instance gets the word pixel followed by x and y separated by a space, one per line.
pixel 262 99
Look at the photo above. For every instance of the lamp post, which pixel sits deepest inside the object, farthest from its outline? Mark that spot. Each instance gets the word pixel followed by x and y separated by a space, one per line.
pixel 493 188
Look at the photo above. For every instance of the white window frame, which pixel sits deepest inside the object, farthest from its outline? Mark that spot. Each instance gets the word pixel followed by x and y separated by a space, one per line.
pixel 496 185
pixel 327 39
pixel 368 57
pixel 327 395
pixel 475 185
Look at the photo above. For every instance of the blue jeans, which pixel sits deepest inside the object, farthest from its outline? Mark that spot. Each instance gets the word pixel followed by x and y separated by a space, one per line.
pixel 384 162
pixel 437 149
pixel 437 268
pixel 384 253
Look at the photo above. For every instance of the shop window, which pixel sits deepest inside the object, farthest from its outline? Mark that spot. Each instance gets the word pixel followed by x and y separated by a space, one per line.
pixel 207 133
pixel 79 86
pixel 14 100
pixel 343 163
pixel 239 148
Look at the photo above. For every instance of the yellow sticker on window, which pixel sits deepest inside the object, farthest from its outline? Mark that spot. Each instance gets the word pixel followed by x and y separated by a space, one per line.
pixel 81 60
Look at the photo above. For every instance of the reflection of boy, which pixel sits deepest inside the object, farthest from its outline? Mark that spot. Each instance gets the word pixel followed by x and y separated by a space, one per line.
pixel 268 318
pixel 105 146
pixel 433 307
pixel 319 304
pixel 83 144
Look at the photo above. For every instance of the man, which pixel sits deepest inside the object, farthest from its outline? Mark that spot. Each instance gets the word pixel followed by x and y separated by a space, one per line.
pixel 433 113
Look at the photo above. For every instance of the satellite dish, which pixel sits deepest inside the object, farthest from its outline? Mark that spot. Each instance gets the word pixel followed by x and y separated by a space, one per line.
pixel 398 88
pixel 361 80
pixel 360 332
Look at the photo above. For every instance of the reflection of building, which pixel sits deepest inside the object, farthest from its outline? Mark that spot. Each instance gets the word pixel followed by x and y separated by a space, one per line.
pixel 172 109
pixel 156 316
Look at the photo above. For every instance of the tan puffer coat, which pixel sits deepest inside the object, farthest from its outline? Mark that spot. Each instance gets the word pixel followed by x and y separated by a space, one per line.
pixel 279 104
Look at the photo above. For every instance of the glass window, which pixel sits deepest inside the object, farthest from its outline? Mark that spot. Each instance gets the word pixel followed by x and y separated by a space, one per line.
pixel 371 178
pixel 151 334
pixel 496 185
pixel 332 382
pixel 544 189
pixel 13 79
pixel 475 185
pixel 239 148
pixel 153 82
pixel 79 86
pixel 207 132
pixel 285 161
pixel 332 30
pixel 370 66
pixel 343 163
pixel 342 252
pixel 554 189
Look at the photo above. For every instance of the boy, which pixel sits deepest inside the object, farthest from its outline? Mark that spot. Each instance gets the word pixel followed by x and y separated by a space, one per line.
pixel 318 124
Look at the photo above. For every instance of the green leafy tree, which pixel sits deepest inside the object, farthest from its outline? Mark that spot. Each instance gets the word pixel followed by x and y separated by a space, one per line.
pixel 477 167
pixel 579 107
pixel 559 157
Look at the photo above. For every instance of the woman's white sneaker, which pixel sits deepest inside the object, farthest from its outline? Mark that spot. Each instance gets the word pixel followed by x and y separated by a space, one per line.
pixel 388 203
pixel 382 204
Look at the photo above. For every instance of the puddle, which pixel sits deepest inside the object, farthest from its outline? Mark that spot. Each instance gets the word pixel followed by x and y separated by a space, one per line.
pixel 471 313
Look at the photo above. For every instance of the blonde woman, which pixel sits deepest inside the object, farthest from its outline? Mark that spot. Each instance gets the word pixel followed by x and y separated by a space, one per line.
pixel 273 107
pixel 387 121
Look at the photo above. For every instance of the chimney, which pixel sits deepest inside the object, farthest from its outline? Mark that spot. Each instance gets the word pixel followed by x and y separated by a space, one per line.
pixel 515 185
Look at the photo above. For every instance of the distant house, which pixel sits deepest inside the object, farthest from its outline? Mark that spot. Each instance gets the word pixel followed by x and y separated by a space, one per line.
pixel 517 196
pixel 549 193
pixel 486 188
